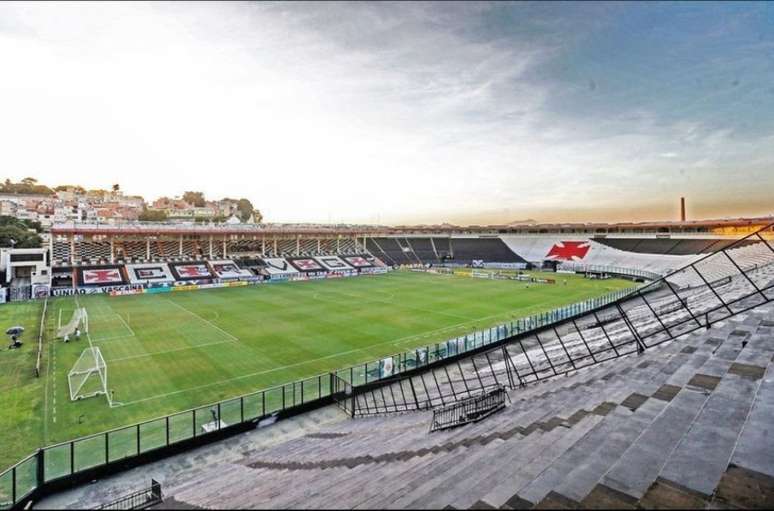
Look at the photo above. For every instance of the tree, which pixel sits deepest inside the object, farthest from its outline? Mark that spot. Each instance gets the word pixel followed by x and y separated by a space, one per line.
pixel 98 193
pixel 152 215
pixel 116 188
pixel 74 188
pixel 194 199
pixel 19 233
pixel 217 219
pixel 244 209
pixel 28 185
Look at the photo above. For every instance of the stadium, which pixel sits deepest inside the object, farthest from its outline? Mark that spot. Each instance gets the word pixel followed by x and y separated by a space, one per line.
pixel 386 255
pixel 156 339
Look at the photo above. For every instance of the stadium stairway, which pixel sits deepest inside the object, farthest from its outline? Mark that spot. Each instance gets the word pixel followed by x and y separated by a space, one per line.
pixel 685 424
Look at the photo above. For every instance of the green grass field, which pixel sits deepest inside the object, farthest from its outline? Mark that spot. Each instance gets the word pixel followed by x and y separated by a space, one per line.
pixel 175 351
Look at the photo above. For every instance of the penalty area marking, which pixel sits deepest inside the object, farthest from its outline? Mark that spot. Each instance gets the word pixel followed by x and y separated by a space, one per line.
pixel 258 373
pixel 173 350
pixel 395 342
pixel 115 337
pixel 125 323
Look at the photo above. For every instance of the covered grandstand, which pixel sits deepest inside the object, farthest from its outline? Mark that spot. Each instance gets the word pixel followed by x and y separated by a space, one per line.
pixel 655 249
pixel 661 398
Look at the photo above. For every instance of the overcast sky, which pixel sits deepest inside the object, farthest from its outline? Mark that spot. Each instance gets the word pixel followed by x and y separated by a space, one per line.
pixel 404 112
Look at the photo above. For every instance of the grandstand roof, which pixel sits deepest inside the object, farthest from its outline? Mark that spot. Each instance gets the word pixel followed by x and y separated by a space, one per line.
pixel 149 228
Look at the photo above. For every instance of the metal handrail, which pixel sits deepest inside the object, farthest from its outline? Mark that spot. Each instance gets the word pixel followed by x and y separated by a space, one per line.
pixel 141 499
pixel 467 410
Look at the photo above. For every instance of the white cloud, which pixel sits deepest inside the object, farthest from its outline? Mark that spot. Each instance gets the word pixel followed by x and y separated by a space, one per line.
pixel 344 112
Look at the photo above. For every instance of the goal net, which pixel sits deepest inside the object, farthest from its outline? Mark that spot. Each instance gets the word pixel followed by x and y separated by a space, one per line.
pixel 88 377
pixel 80 318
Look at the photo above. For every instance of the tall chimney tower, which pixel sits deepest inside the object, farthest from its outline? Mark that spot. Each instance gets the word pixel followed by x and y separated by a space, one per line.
pixel 682 209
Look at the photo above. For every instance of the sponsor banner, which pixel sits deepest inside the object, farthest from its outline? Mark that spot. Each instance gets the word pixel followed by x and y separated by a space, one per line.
pixel 373 271
pixel 357 261
pixel 251 278
pixel 156 290
pixel 124 292
pixel 306 264
pixel 100 276
pixel 191 282
pixel 69 291
pixel 278 278
pixel 506 266
pixel 189 287
pixel 239 283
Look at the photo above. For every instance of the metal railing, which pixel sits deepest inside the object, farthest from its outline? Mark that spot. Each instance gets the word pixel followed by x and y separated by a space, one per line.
pixel 655 313
pixel 64 461
pixel 511 355
pixel 612 270
pixel 390 366
pixel 141 499
pixel 472 409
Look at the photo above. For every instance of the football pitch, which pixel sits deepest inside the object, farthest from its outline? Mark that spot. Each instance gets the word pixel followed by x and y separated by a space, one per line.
pixel 175 351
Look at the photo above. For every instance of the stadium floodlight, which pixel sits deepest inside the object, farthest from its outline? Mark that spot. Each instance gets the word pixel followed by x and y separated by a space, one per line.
pixel 80 318
pixel 88 377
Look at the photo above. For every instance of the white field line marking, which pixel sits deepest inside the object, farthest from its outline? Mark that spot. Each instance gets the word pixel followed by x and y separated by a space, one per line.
pixel 125 323
pixel 232 337
pixel 45 390
pixel 113 338
pixel 54 391
pixel 60 318
pixel 173 350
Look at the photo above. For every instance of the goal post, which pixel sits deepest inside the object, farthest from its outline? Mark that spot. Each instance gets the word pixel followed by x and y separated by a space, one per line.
pixel 84 320
pixel 481 274
pixel 80 318
pixel 88 377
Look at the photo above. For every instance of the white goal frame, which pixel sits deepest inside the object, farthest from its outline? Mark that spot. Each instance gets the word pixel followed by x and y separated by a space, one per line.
pixel 80 318
pixel 89 365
